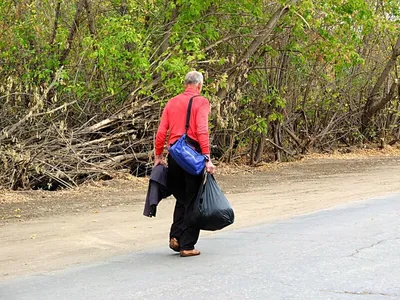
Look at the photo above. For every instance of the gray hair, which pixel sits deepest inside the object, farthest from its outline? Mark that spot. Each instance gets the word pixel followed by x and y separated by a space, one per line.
pixel 194 77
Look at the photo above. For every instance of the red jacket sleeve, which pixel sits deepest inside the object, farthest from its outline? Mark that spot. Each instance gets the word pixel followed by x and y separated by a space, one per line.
pixel 162 132
pixel 202 127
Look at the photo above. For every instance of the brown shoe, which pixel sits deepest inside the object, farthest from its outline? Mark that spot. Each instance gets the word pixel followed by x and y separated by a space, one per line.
pixel 174 244
pixel 187 253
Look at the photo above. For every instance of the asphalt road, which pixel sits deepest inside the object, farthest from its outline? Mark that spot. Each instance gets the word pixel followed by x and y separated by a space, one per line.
pixel 350 252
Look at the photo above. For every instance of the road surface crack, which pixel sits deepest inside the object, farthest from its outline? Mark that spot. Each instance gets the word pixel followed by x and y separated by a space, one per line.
pixel 371 246
pixel 361 293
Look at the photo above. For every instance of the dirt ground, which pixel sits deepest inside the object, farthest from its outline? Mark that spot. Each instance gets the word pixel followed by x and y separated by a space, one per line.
pixel 46 231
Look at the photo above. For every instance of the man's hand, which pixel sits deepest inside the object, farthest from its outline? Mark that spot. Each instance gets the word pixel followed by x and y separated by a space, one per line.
pixel 159 160
pixel 210 168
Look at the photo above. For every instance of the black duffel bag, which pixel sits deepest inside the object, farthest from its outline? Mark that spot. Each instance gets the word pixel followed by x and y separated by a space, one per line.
pixel 212 211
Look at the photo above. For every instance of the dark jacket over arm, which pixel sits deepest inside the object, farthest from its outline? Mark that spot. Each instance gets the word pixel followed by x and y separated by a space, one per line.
pixel 157 190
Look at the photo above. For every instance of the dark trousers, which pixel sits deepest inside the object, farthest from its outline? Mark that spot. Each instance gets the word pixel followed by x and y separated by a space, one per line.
pixel 184 187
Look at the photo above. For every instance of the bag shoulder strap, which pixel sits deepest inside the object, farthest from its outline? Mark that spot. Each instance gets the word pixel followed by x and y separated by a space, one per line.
pixel 189 110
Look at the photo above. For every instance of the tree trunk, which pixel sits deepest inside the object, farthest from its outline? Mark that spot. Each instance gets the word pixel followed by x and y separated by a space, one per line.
pixel 255 44
pixel 167 27
pixel 374 104
pixel 277 141
pixel 253 141
pixel 260 148
pixel 231 143
pixel 55 26
pixel 74 28
pixel 91 22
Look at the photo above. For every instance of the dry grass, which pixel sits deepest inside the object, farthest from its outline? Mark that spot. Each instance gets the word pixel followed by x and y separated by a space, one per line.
pixel 357 153
pixel 345 153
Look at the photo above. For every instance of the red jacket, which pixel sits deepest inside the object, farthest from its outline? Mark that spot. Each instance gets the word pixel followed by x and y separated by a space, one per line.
pixel 173 119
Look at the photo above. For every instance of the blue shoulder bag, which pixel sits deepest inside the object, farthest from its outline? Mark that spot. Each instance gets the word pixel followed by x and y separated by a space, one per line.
pixel 185 154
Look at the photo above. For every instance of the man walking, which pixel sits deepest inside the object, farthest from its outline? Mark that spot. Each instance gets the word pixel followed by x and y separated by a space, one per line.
pixel 184 186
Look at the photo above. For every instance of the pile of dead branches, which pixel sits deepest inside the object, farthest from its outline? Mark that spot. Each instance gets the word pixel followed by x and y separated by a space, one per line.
pixel 66 145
